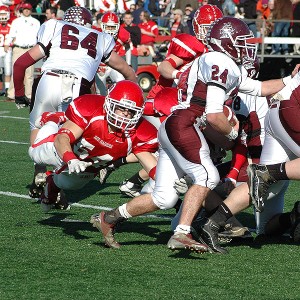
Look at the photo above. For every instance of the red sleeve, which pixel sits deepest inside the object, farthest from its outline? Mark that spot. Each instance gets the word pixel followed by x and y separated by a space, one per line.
pixel 145 139
pixel 83 108
pixel 239 157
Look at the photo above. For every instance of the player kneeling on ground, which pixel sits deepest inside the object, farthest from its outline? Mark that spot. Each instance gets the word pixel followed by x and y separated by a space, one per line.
pixel 93 136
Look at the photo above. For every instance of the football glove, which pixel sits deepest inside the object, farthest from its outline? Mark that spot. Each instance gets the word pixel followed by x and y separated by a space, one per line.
pixel 182 185
pixel 77 166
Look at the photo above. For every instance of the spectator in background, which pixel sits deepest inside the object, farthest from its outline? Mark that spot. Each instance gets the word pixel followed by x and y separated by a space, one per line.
pixel 104 6
pixel 157 9
pixel 135 35
pixel 295 28
pixel 51 13
pixel 180 4
pixel 283 11
pixel 263 12
pixel 250 14
pixel 124 5
pixel 66 4
pixel 139 7
pixel 178 25
pixel 23 36
pixel 228 8
pixel 149 31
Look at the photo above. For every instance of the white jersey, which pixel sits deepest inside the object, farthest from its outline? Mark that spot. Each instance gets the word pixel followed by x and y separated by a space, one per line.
pixel 213 77
pixel 74 48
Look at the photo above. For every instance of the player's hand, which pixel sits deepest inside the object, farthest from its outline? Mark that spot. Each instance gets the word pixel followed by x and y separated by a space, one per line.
pixel 77 166
pixel 22 101
pixel 182 185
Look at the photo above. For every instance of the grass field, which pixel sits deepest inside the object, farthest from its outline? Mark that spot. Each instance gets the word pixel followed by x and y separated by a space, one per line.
pixel 59 255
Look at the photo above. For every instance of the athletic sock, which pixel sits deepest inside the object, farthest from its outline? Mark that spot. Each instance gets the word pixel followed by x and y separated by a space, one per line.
pixel 222 214
pixel 136 179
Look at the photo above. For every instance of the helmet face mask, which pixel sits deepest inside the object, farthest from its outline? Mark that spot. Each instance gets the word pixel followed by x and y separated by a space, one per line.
pixel 203 18
pixel 124 96
pixel 110 24
pixel 78 15
pixel 4 13
pixel 233 37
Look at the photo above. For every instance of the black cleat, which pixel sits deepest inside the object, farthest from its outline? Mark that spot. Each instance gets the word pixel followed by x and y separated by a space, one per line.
pixel 209 236
pixel 259 182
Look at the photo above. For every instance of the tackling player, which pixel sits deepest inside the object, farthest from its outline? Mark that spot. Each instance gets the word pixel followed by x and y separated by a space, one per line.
pixel 93 136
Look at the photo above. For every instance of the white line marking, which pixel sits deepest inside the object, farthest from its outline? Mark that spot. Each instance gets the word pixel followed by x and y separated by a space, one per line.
pixel 4 112
pixel 13 142
pixel 11 117
pixel 10 194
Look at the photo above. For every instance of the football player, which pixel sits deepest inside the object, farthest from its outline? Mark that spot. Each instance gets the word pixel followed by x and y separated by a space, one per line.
pixel 183 49
pixel 6 56
pixel 74 52
pixel 93 136
pixel 183 148
pixel 110 24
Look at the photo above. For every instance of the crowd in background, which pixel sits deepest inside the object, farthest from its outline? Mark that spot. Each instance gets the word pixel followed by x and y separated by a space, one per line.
pixel 168 17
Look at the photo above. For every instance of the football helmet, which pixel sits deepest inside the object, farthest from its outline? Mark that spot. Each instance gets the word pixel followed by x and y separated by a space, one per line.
pixel 78 15
pixel 123 95
pixel 204 16
pixel 110 24
pixel 233 37
pixel 4 13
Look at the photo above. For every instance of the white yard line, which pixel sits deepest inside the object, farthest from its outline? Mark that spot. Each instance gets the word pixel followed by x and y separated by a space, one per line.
pixel 79 205
pixel 13 142
pixel 11 117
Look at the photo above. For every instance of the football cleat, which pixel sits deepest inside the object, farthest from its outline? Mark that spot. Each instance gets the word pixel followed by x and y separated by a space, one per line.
pixel 232 232
pixel 61 202
pixel 105 172
pixel 259 182
pixel 56 117
pixel 209 236
pixel 50 194
pixel 37 186
pixel 130 189
pixel 106 229
pixel 295 220
pixel 182 241
pixel 22 102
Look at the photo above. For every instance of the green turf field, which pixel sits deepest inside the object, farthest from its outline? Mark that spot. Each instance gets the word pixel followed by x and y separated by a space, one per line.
pixel 60 255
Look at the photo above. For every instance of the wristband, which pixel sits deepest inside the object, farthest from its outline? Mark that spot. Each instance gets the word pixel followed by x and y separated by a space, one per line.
pixel 232 135
pixel 68 155
pixel 176 74
pixel 286 79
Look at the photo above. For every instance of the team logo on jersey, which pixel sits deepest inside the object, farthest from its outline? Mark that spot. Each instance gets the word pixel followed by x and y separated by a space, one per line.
pixel 226 31
pixel 100 141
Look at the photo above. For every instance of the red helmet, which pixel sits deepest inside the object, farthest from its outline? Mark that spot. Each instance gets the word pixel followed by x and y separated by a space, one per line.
pixel 4 13
pixel 78 15
pixel 123 95
pixel 252 67
pixel 204 16
pixel 233 37
pixel 165 99
pixel 110 23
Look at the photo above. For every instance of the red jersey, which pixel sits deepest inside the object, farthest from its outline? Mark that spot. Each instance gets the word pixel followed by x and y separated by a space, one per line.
pixel 97 143
pixel 149 26
pixel 123 38
pixel 4 30
pixel 186 47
